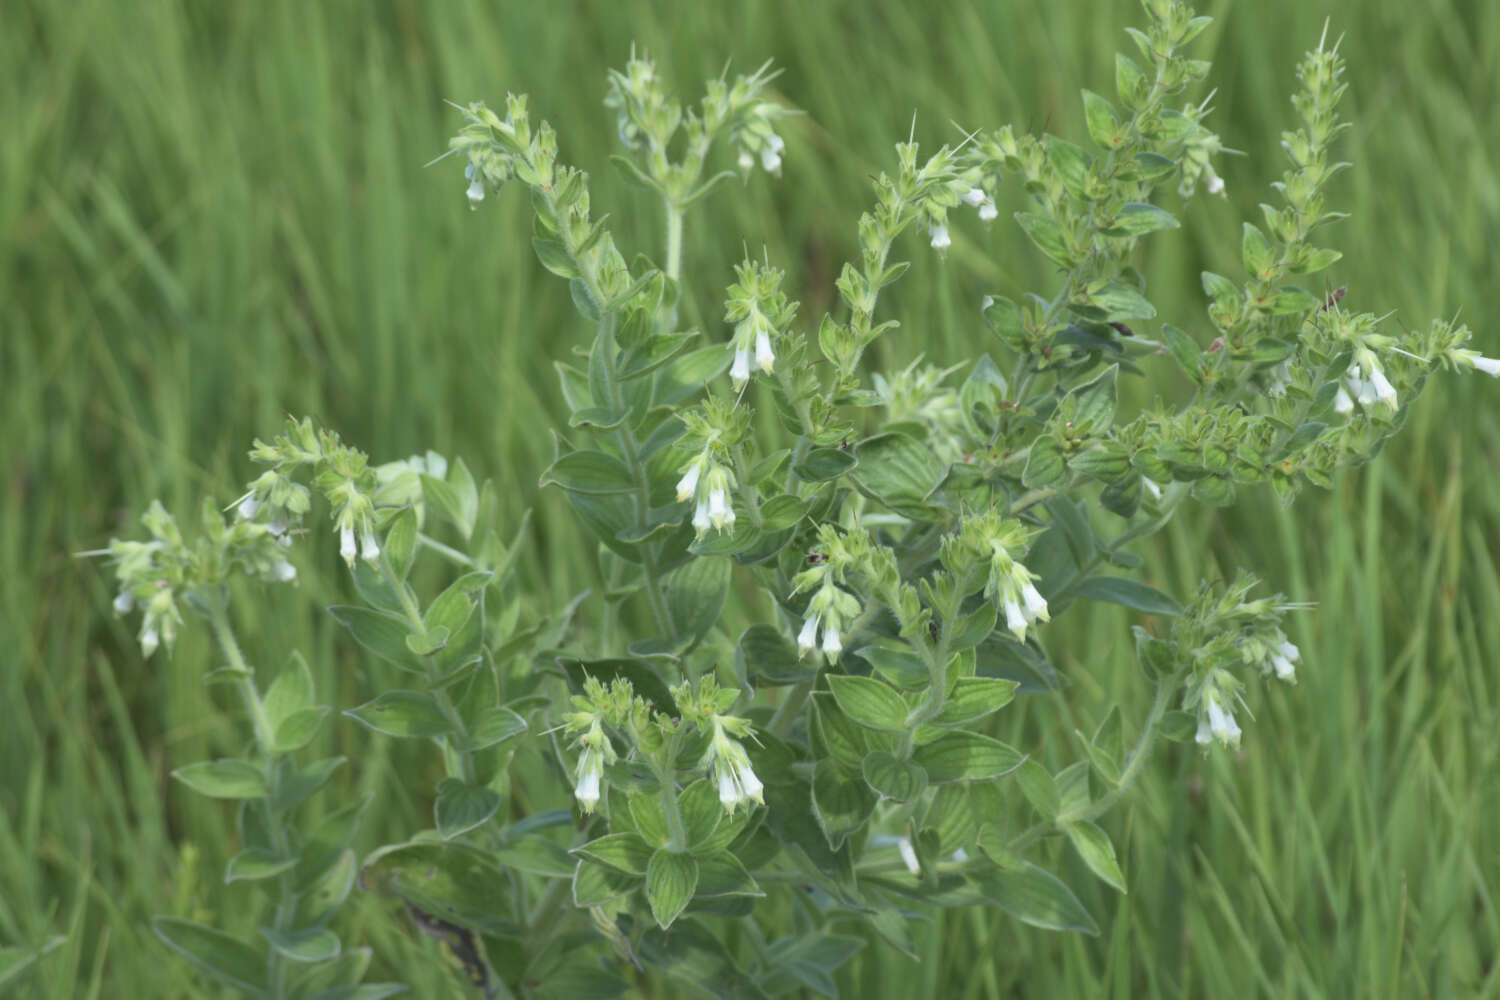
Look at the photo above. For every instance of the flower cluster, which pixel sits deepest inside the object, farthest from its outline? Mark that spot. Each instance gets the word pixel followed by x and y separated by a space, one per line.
pixel 830 608
pixel 709 483
pixel 758 308
pixel 728 764
pixel 1365 383
pixel 594 753
pixel 1009 584
pixel 1215 698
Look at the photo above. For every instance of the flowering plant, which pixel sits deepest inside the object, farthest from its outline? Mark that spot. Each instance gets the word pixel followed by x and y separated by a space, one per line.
pixel 904 545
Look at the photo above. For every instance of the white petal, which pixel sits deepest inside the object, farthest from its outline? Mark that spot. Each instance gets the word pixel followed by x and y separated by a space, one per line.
pixel 909 855
pixel 1384 391
pixel 701 519
pixel 770 159
pixel 1342 403
pixel 346 544
pixel 832 643
pixel 746 160
pixel 124 602
pixel 248 507
pixel 1204 735
pixel 369 547
pixel 149 641
pixel 988 212
pixel 940 238
pixel 807 639
pixel 740 371
pixel 1036 604
pixel 729 793
pixel 284 572
pixel 688 484
pixel 475 191
pixel 1213 183
pixel 1490 366
pixel 1015 619
pixel 1284 669
pixel 764 357
pixel 1291 652
pixel 751 784
pixel 587 791
pixel 974 196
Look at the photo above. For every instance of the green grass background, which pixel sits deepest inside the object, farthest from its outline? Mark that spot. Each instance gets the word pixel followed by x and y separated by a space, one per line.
pixel 215 214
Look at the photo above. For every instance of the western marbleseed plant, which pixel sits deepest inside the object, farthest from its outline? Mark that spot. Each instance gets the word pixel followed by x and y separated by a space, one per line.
pixel 904 541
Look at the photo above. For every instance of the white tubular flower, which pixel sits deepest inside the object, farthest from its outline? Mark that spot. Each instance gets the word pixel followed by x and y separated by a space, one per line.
pixel 909 855
pixel 770 156
pixel 739 372
pixel 729 767
pixel 476 185
pixel 150 640
pixel 832 643
pixel 807 639
pixel 1384 391
pixel 248 508
pixel 1212 182
pixel 1342 403
pixel 283 572
pixel 701 522
pixel 974 196
pixel 720 512
pixel 587 791
pixel 746 160
pixel 688 484
pixel 277 526
pixel 940 238
pixel 1036 604
pixel 764 357
pixel 1221 723
pixel 1204 736
pixel 346 544
pixel 369 548
pixel 1490 366
pixel 124 602
pixel 1284 662
pixel 1015 619
pixel 988 212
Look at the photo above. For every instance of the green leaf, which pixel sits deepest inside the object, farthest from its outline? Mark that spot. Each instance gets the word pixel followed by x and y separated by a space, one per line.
pixel 1290 299
pixel 899 472
pixel 494 724
pixel 328 891
pixel 254 863
pixel 14 961
pixel 592 473
pixel 1131 593
pixel 892 778
pixel 973 698
pixel 380 633
pixel 722 874
pixel 767 656
pixel 1120 301
pixel 1048 237
pixel 427 642
pixel 1071 163
pixel 1184 350
pixel 401 542
pixel 537 855
pixel 1044 463
pixel 1094 402
pixel 449 881
pixel 403 713
pixel 1218 287
pixel 698 805
pixel 1138 218
pixel 840 806
pixel 1038 898
pixel 625 852
pixel 297 730
pixel 211 951
pixel 461 807
pixel 1097 852
pixel 328 841
pixel 1259 260
pixel 290 693
pixel 1004 320
pixel 1039 788
pixel 1130 82
pixel 1315 259
pixel 695 594
pixel 688 373
pixel 224 779
pixel 824 464
pixel 1104 126
pixel 964 756
pixel 313 944
pixel 870 702
pixel 554 257
pixel 671 880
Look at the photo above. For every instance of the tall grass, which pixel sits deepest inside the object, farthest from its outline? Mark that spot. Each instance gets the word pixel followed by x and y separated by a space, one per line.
pixel 214 214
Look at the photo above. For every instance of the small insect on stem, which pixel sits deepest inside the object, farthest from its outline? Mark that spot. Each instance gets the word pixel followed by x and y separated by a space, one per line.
pixel 1334 297
pixel 1123 330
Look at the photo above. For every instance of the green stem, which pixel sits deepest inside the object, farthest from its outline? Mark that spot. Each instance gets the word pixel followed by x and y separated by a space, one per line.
pixel 604 346
pixel 277 970
pixel 676 830
pixel 789 709
pixel 1166 688
pixel 447 551
pixel 674 241
pixel 458 759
